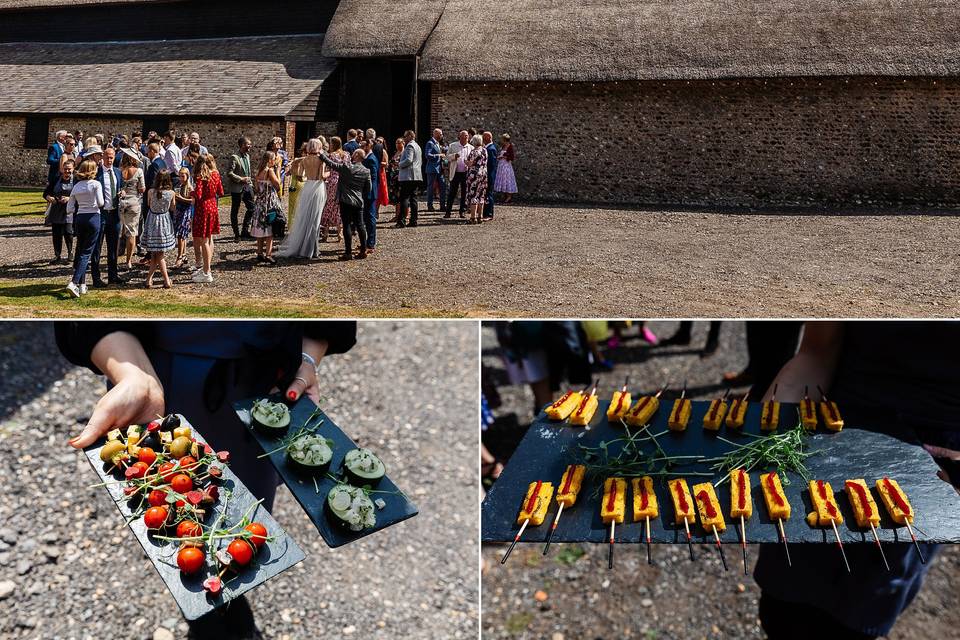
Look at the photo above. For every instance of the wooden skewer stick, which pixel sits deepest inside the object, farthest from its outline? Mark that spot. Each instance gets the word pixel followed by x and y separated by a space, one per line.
pixel 915 543
pixel 833 523
pixel 880 546
pixel 783 536
pixel 626 382
pixel 613 525
pixel 720 548
pixel 823 396
pixel 553 528
pixel 743 543
pixel 515 541
pixel 686 525
pixel 774 395
pixel 649 555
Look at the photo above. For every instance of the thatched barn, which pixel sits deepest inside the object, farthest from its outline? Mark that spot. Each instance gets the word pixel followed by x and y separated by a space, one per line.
pixel 750 103
pixel 222 68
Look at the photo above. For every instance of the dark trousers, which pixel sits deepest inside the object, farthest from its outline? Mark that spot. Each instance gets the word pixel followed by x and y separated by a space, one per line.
pixel 245 196
pixel 432 180
pixel 352 218
pixel 62 232
pixel 785 621
pixel 87 227
pixel 770 345
pixel 408 200
pixel 459 182
pixel 488 205
pixel 109 231
pixel 370 219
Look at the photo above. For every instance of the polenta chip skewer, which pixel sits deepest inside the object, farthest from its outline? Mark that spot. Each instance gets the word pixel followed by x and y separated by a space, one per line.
pixel 741 505
pixel 737 415
pixel 770 413
pixel 563 406
pixel 899 508
pixel 567 492
pixel 587 406
pixel 808 412
pixel 613 508
pixel 683 510
pixel 826 509
pixel 865 511
pixel 536 502
pixel 645 506
pixel 680 413
pixel 619 403
pixel 716 412
pixel 646 406
pixel 710 515
pixel 777 506
pixel 832 419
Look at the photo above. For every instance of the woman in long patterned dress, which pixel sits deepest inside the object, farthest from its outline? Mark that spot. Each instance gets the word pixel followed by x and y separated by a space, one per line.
pixel 267 206
pixel 301 241
pixel 183 214
pixel 477 179
pixel 506 181
pixel 330 218
pixel 207 189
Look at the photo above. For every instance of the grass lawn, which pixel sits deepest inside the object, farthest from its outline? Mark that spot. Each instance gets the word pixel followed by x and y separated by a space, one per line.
pixel 49 298
pixel 21 202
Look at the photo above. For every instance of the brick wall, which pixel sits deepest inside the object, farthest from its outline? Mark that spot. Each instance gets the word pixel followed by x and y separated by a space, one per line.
pixel 19 166
pixel 837 141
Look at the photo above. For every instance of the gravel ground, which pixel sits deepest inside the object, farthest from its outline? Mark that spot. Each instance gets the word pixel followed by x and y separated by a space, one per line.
pixel 68 568
pixel 588 262
pixel 572 595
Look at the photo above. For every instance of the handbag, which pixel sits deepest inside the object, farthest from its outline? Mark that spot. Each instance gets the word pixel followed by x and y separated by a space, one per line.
pixel 277 222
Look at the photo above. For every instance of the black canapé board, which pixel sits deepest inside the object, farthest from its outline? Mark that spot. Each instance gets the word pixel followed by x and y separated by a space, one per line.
pixel 301 484
pixel 548 447
pixel 274 557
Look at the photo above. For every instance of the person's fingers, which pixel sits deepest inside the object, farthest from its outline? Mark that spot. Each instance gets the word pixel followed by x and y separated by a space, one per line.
pixel 296 388
pixel 100 422
pixel 940 452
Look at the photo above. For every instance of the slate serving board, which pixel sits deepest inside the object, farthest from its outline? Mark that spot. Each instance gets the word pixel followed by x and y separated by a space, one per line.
pixel 398 507
pixel 273 558
pixel 548 447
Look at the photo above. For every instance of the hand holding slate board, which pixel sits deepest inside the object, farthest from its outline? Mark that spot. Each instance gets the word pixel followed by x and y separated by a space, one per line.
pixel 548 447
pixel 274 557
pixel 301 484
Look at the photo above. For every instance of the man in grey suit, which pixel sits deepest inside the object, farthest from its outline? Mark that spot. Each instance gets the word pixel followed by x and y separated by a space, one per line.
pixel 240 181
pixel 411 175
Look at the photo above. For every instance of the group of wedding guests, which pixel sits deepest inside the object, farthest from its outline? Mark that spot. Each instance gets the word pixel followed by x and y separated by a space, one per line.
pixel 148 195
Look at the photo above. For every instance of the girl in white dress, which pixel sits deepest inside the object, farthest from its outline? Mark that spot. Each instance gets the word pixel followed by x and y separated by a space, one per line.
pixel 302 239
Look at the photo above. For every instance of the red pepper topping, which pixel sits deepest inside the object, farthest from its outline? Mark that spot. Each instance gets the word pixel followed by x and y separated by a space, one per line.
pixel 619 403
pixel 676 411
pixel 858 489
pixel 641 405
pixel 532 502
pixel 733 408
pixel 563 398
pixel 772 486
pixel 644 498
pixel 897 497
pixel 715 409
pixel 704 499
pixel 822 489
pixel 741 489
pixel 612 500
pixel 681 498
pixel 832 411
pixel 569 480
pixel 807 406
pixel 583 405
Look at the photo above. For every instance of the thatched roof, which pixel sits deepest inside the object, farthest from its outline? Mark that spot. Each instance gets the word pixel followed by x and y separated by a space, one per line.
pixel 34 4
pixel 240 77
pixel 599 40
pixel 380 28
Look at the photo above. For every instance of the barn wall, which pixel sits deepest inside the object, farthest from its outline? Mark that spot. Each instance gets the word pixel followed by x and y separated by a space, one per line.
pixel 783 142
pixel 19 166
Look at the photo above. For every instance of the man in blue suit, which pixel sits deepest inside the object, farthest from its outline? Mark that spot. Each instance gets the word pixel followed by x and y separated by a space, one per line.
pixel 110 180
pixel 371 162
pixel 433 156
pixel 491 173
pixel 54 151
pixel 351 144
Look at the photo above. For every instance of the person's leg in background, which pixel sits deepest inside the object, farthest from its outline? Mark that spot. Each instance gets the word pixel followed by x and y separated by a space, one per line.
pixel 87 226
pixel 57 230
pixel 247 197
pixel 412 202
pixel 681 336
pixel 95 254
pixel 713 340
pixel 370 223
pixel 110 233
pixel 235 200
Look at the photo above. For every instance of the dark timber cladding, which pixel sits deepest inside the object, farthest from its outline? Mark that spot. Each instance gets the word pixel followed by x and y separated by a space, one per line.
pixel 96 20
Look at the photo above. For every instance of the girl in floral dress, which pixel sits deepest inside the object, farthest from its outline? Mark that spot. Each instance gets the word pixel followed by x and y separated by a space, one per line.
pixel 158 236
pixel 506 181
pixel 477 179
pixel 183 215
pixel 267 206
pixel 331 210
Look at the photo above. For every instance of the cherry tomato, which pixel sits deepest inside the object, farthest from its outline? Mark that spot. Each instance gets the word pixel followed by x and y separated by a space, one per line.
pixel 190 560
pixel 242 552
pixel 166 471
pixel 181 483
pixel 187 462
pixel 259 534
pixel 157 498
pixel 136 470
pixel 155 517
pixel 146 455
pixel 188 529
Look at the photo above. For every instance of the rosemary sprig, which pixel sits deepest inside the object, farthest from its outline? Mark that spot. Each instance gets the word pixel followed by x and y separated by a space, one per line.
pixel 783 452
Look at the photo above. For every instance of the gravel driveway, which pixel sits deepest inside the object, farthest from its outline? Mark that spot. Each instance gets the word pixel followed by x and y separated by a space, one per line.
pixel 580 262
pixel 571 595
pixel 69 569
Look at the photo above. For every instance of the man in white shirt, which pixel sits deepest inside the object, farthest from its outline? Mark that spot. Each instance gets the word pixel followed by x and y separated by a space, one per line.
pixel 172 156
pixel 195 139
pixel 457 154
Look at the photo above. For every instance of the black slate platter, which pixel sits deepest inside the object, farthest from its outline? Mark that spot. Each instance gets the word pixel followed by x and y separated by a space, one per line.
pixel 398 507
pixel 273 558
pixel 549 446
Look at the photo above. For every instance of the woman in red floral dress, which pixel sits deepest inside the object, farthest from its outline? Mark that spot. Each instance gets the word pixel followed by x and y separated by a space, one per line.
pixel 206 215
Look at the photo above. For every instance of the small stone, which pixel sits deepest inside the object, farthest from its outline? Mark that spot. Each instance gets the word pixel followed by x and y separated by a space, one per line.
pixel 646 602
pixel 23 567
pixel 741 587
pixel 540 596
pixel 349 629
pixel 162 633
pixel 7 587
pixel 8 535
